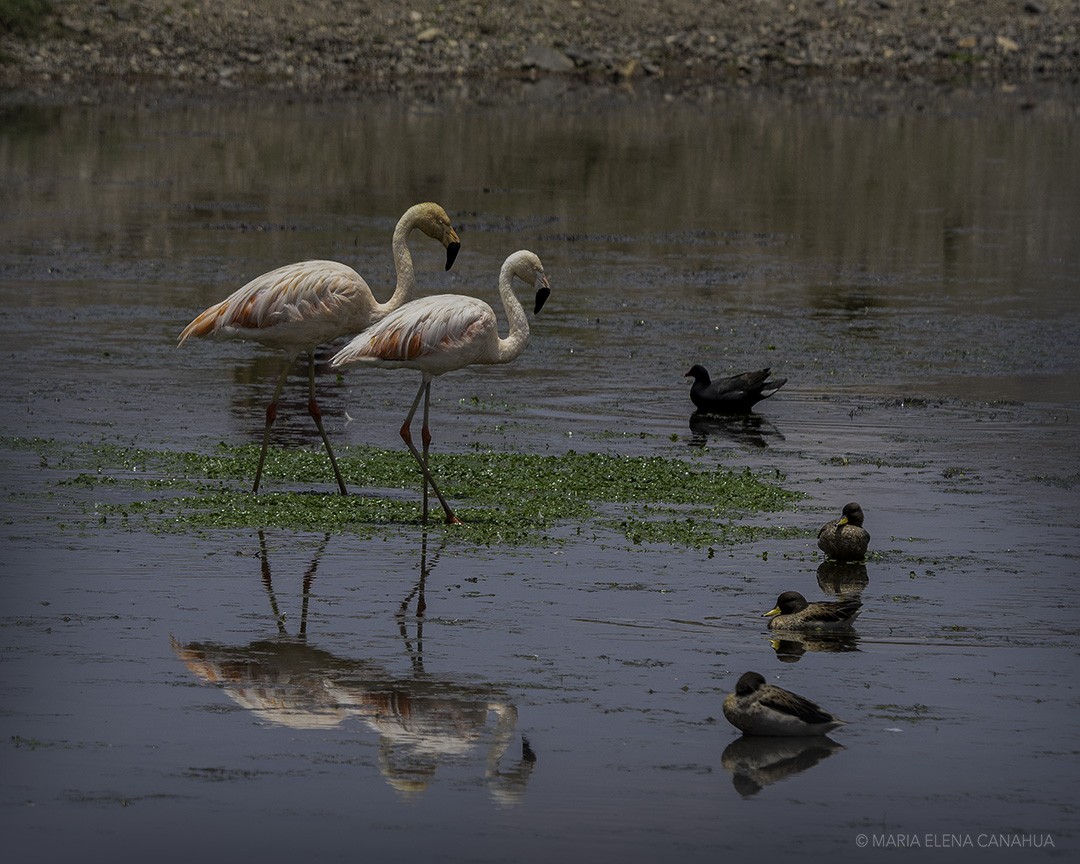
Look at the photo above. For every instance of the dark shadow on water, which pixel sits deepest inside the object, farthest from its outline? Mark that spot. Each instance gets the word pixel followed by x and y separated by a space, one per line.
pixel 756 762
pixel 420 721
pixel 844 580
pixel 750 430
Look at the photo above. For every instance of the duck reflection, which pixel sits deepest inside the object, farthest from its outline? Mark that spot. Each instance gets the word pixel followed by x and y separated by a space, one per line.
pixel 421 721
pixel 843 580
pixel 755 762
pixel 790 646
pixel 750 430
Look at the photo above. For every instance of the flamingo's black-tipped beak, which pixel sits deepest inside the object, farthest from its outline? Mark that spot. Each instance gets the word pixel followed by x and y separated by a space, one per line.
pixel 451 253
pixel 542 294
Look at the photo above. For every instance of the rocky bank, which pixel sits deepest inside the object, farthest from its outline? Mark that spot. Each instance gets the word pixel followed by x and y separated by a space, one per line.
pixel 331 47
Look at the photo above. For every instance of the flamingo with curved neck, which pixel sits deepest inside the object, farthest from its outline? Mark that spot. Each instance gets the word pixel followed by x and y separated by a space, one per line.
pixel 299 306
pixel 439 334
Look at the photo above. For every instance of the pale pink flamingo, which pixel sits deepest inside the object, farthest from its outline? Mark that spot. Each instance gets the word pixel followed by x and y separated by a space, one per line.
pixel 439 334
pixel 300 306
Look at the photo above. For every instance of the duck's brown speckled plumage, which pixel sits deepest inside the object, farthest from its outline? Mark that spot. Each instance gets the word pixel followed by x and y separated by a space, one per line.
pixel 793 612
pixel 845 539
pixel 759 708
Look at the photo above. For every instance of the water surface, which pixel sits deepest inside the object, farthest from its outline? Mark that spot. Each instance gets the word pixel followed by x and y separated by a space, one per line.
pixel 227 694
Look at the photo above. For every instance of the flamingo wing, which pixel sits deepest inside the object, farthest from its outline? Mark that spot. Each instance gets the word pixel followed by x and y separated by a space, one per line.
pixel 435 334
pixel 304 303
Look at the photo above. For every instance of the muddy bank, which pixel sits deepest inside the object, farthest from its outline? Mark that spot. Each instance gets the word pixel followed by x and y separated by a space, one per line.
pixel 376 46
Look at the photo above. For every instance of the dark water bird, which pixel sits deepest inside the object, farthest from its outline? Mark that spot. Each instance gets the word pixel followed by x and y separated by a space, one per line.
pixel 759 708
pixel 845 539
pixel 300 306
pixel 734 395
pixel 438 334
pixel 793 612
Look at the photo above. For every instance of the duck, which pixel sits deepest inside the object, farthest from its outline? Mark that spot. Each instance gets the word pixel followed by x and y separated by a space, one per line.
pixel 734 395
pixel 845 539
pixel 759 708
pixel 793 612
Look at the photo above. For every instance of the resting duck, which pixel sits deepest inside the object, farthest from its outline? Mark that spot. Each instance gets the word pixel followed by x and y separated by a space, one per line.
pixel 734 395
pixel 758 708
pixel 845 539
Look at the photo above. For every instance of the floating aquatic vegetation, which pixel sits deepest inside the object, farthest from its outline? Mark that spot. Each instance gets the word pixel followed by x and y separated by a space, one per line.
pixel 502 497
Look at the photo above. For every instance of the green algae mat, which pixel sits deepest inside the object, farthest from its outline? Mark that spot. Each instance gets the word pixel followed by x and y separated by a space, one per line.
pixel 503 498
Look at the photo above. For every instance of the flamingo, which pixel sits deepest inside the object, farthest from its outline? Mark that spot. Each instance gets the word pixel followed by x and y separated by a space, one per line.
pixel 439 334
pixel 299 306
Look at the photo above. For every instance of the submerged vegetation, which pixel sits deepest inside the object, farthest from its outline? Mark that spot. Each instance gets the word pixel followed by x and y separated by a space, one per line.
pixel 502 497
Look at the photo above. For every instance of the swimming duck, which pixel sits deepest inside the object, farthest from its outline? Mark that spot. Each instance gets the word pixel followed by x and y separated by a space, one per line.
pixel 734 395
pixel 758 708
pixel 792 612
pixel 845 539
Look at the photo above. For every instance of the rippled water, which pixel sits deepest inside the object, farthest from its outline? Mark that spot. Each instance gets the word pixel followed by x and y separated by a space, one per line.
pixel 913 273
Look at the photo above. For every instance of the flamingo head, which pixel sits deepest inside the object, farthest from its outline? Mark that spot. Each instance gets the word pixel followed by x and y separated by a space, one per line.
pixel 542 293
pixel 527 267
pixel 434 222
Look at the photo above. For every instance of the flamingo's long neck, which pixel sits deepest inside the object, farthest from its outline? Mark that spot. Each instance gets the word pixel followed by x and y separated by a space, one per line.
pixel 403 265
pixel 512 346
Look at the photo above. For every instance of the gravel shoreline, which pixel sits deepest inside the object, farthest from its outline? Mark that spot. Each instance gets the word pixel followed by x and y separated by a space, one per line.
pixel 370 47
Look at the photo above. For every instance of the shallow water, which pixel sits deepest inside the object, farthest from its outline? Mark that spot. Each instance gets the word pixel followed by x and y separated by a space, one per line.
pixel 912 273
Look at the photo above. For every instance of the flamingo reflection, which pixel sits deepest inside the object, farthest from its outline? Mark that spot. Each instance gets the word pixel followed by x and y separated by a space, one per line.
pixel 420 721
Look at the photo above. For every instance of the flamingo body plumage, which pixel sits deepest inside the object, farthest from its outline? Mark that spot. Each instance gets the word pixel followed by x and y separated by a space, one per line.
pixel 299 306
pixel 435 335
pixel 439 334
pixel 292 308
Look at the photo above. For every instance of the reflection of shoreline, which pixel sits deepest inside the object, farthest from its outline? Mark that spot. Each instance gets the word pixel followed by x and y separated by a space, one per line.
pixel 420 721
pixel 756 762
